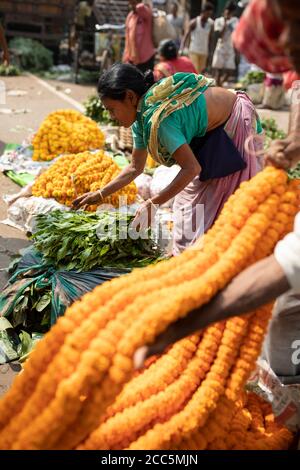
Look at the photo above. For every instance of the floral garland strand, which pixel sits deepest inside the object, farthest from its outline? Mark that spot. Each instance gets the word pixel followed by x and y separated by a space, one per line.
pixel 258 220
pixel 181 272
pixel 125 426
pixel 17 395
pixel 86 420
pixel 204 400
pixel 256 224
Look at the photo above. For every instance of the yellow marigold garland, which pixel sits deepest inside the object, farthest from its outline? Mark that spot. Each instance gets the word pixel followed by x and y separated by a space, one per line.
pixel 66 131
pixel 69 400
pixel 73 175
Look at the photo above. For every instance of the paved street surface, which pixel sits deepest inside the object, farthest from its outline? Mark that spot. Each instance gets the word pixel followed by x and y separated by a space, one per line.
pixel 39 101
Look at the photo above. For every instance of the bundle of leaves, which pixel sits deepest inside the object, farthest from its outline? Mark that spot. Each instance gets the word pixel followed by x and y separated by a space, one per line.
pixel 96 111
pixel 83 241
pixel 271 129
pixel 253 77
pixel 33 55
pixel 272 132
pixel 295 172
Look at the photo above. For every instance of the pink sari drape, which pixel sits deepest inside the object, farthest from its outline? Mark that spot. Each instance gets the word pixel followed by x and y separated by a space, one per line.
pixel 213 194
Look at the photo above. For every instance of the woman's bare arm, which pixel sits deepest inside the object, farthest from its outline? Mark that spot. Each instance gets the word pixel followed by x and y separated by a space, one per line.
pixel 189 169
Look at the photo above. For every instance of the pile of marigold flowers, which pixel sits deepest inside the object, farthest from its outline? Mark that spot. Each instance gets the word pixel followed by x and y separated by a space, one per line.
pixel 73 175
pixel 66 131
pixel 78 389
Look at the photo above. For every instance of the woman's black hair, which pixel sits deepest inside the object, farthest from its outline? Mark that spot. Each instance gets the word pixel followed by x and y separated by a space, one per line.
pixel 121 77
pixel 168 49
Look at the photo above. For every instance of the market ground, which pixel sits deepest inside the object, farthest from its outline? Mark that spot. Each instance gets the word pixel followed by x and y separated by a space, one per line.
pixel 21 115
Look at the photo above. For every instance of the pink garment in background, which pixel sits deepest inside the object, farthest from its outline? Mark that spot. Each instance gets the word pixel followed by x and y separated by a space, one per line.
pixel 169 67
pixel 214 193
pixel 139 47
pixel 257 37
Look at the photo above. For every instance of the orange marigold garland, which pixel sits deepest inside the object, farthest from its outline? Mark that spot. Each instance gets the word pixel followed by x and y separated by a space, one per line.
pixel 72 175
pixel 91 368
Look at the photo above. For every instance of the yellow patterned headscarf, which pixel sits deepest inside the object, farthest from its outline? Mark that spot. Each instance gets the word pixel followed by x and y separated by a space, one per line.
pixel 162 99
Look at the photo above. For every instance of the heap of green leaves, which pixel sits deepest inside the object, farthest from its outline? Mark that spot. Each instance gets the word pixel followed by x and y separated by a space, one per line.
pixel 271 129
pixel 32 310
pixel 83 241
pixel 272 132
pixel 96 111
pixel 253 77
pixel 9 70
pixel 15 344
pixel 33 55
pixel 295 172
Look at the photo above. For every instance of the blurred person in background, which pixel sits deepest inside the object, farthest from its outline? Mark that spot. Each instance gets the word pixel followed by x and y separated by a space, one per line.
pixel 139 47
pixel 274 93
pixel 169 61
pixel 177 22
pixel 200 32
pixel 224 61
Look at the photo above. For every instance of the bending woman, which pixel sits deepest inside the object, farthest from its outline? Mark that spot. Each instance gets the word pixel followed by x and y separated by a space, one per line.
pixel 182 120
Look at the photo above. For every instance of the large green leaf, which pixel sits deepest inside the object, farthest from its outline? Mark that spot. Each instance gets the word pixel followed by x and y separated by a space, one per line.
pixel 4 324
pixel 25 343
pixel 34 339
pixel 43 302
pixel 8 342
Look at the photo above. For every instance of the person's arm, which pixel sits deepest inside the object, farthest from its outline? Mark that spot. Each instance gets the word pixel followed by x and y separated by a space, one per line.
pixel 190 168
pixel 258 285
pixel 191 27
pixel 210 43
pixel 4 46
pixel 127 175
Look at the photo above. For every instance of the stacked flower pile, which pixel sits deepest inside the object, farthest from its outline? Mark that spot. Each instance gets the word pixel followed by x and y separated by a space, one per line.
pixel 66 131
pixel 71 393
pixel 73 175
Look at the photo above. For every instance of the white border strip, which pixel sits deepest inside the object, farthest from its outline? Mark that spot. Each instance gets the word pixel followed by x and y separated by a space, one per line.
pixel 61 95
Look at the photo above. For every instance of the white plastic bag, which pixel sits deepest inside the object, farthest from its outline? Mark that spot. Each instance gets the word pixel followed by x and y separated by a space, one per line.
pixel 143 183
pixel 22 213
pixel 162 177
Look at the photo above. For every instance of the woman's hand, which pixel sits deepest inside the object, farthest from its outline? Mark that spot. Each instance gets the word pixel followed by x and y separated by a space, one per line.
pixel 144 215
pixel 284 153
pixel 93 197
